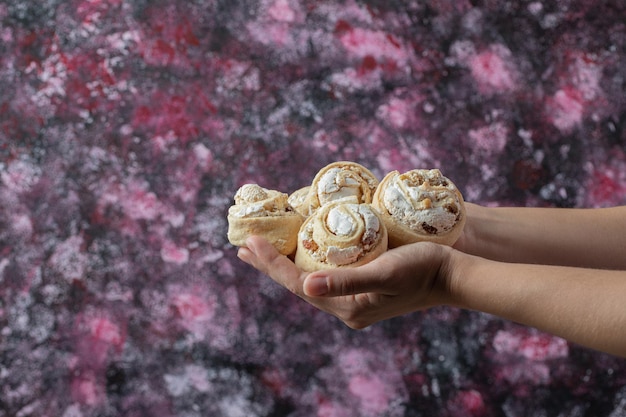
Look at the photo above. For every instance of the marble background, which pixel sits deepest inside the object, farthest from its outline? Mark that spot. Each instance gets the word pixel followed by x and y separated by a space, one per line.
pixel 127 125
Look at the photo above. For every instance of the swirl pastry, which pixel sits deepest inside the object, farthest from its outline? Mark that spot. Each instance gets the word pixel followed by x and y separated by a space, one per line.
pixel 420 205
pixel 339 180
pixel 342 233
pixel 263 212
pixel 298 201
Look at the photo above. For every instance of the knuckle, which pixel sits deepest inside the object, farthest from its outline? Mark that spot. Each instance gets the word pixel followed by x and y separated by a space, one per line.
pixel 291 288
pixel 340 286
pixel 347 287
pixel 273 261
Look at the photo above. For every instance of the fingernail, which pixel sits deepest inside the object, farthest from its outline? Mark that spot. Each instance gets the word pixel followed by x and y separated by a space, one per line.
pixel 316 286
pixel 242 253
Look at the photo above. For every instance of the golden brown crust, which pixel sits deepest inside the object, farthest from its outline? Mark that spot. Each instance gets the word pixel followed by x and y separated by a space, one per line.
pixel 420 205
pixel 298 200
pixel 262 212
pixel 340 234
pixel 280 231
pixel 346 178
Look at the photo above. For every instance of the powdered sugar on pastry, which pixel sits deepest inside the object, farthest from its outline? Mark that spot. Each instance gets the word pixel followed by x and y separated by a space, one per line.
pixel 340 180
pixel 343 256
pixel 252 200
pixel 372 226
pixel 263 212
pixel 340 222
pixel 343 221
pixel 423 200
pixel 297 200
pixel 337 183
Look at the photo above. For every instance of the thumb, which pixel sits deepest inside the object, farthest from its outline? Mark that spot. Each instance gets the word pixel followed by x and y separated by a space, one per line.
pixel 343 281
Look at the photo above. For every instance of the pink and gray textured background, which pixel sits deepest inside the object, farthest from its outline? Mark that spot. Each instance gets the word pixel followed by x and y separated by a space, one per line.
pixel 127 125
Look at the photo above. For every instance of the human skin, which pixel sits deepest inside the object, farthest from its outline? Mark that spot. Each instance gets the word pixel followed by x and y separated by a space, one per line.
pixel 559 270
pixel 588 238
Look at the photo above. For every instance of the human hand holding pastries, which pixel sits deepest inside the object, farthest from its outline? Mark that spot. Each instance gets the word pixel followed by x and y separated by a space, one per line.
pixel 420 205
pixel 397 282
pixel 582 305
pixel 559 270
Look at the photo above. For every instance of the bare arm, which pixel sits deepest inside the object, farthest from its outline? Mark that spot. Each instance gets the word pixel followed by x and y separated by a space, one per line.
pixel 586 306
pixel 594 238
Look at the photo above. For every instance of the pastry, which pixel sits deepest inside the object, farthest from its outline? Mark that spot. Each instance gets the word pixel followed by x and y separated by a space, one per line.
pixel 420 205
pixel 263 212
pixel 342 233
pixel 339 180
pixel 297 200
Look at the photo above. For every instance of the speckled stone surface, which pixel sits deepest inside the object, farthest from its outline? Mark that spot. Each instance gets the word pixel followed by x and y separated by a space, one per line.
pixel 126 126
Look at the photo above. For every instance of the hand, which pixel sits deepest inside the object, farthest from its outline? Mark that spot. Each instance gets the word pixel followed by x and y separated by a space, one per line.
pixel 402 280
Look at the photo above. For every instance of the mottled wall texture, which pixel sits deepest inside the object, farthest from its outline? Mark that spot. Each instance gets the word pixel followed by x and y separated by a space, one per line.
pixel 127 125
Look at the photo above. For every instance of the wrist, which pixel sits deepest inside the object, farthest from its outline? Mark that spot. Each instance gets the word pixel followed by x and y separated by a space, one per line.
pixel 476 217
pixel 488 233
pixel 455 269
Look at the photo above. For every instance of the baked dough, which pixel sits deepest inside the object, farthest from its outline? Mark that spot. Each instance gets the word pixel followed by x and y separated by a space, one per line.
pixel 420 205
pixel 340 180
pixel 298 200
pixel 263 212
pixel 341 233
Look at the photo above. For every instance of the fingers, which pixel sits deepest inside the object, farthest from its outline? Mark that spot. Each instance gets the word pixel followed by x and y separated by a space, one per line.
pixel 263 256
pixel 394 272
pixel 371 277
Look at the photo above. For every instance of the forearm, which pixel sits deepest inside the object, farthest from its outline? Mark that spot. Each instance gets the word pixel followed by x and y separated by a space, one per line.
pixel 594 238
pixel 584 306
